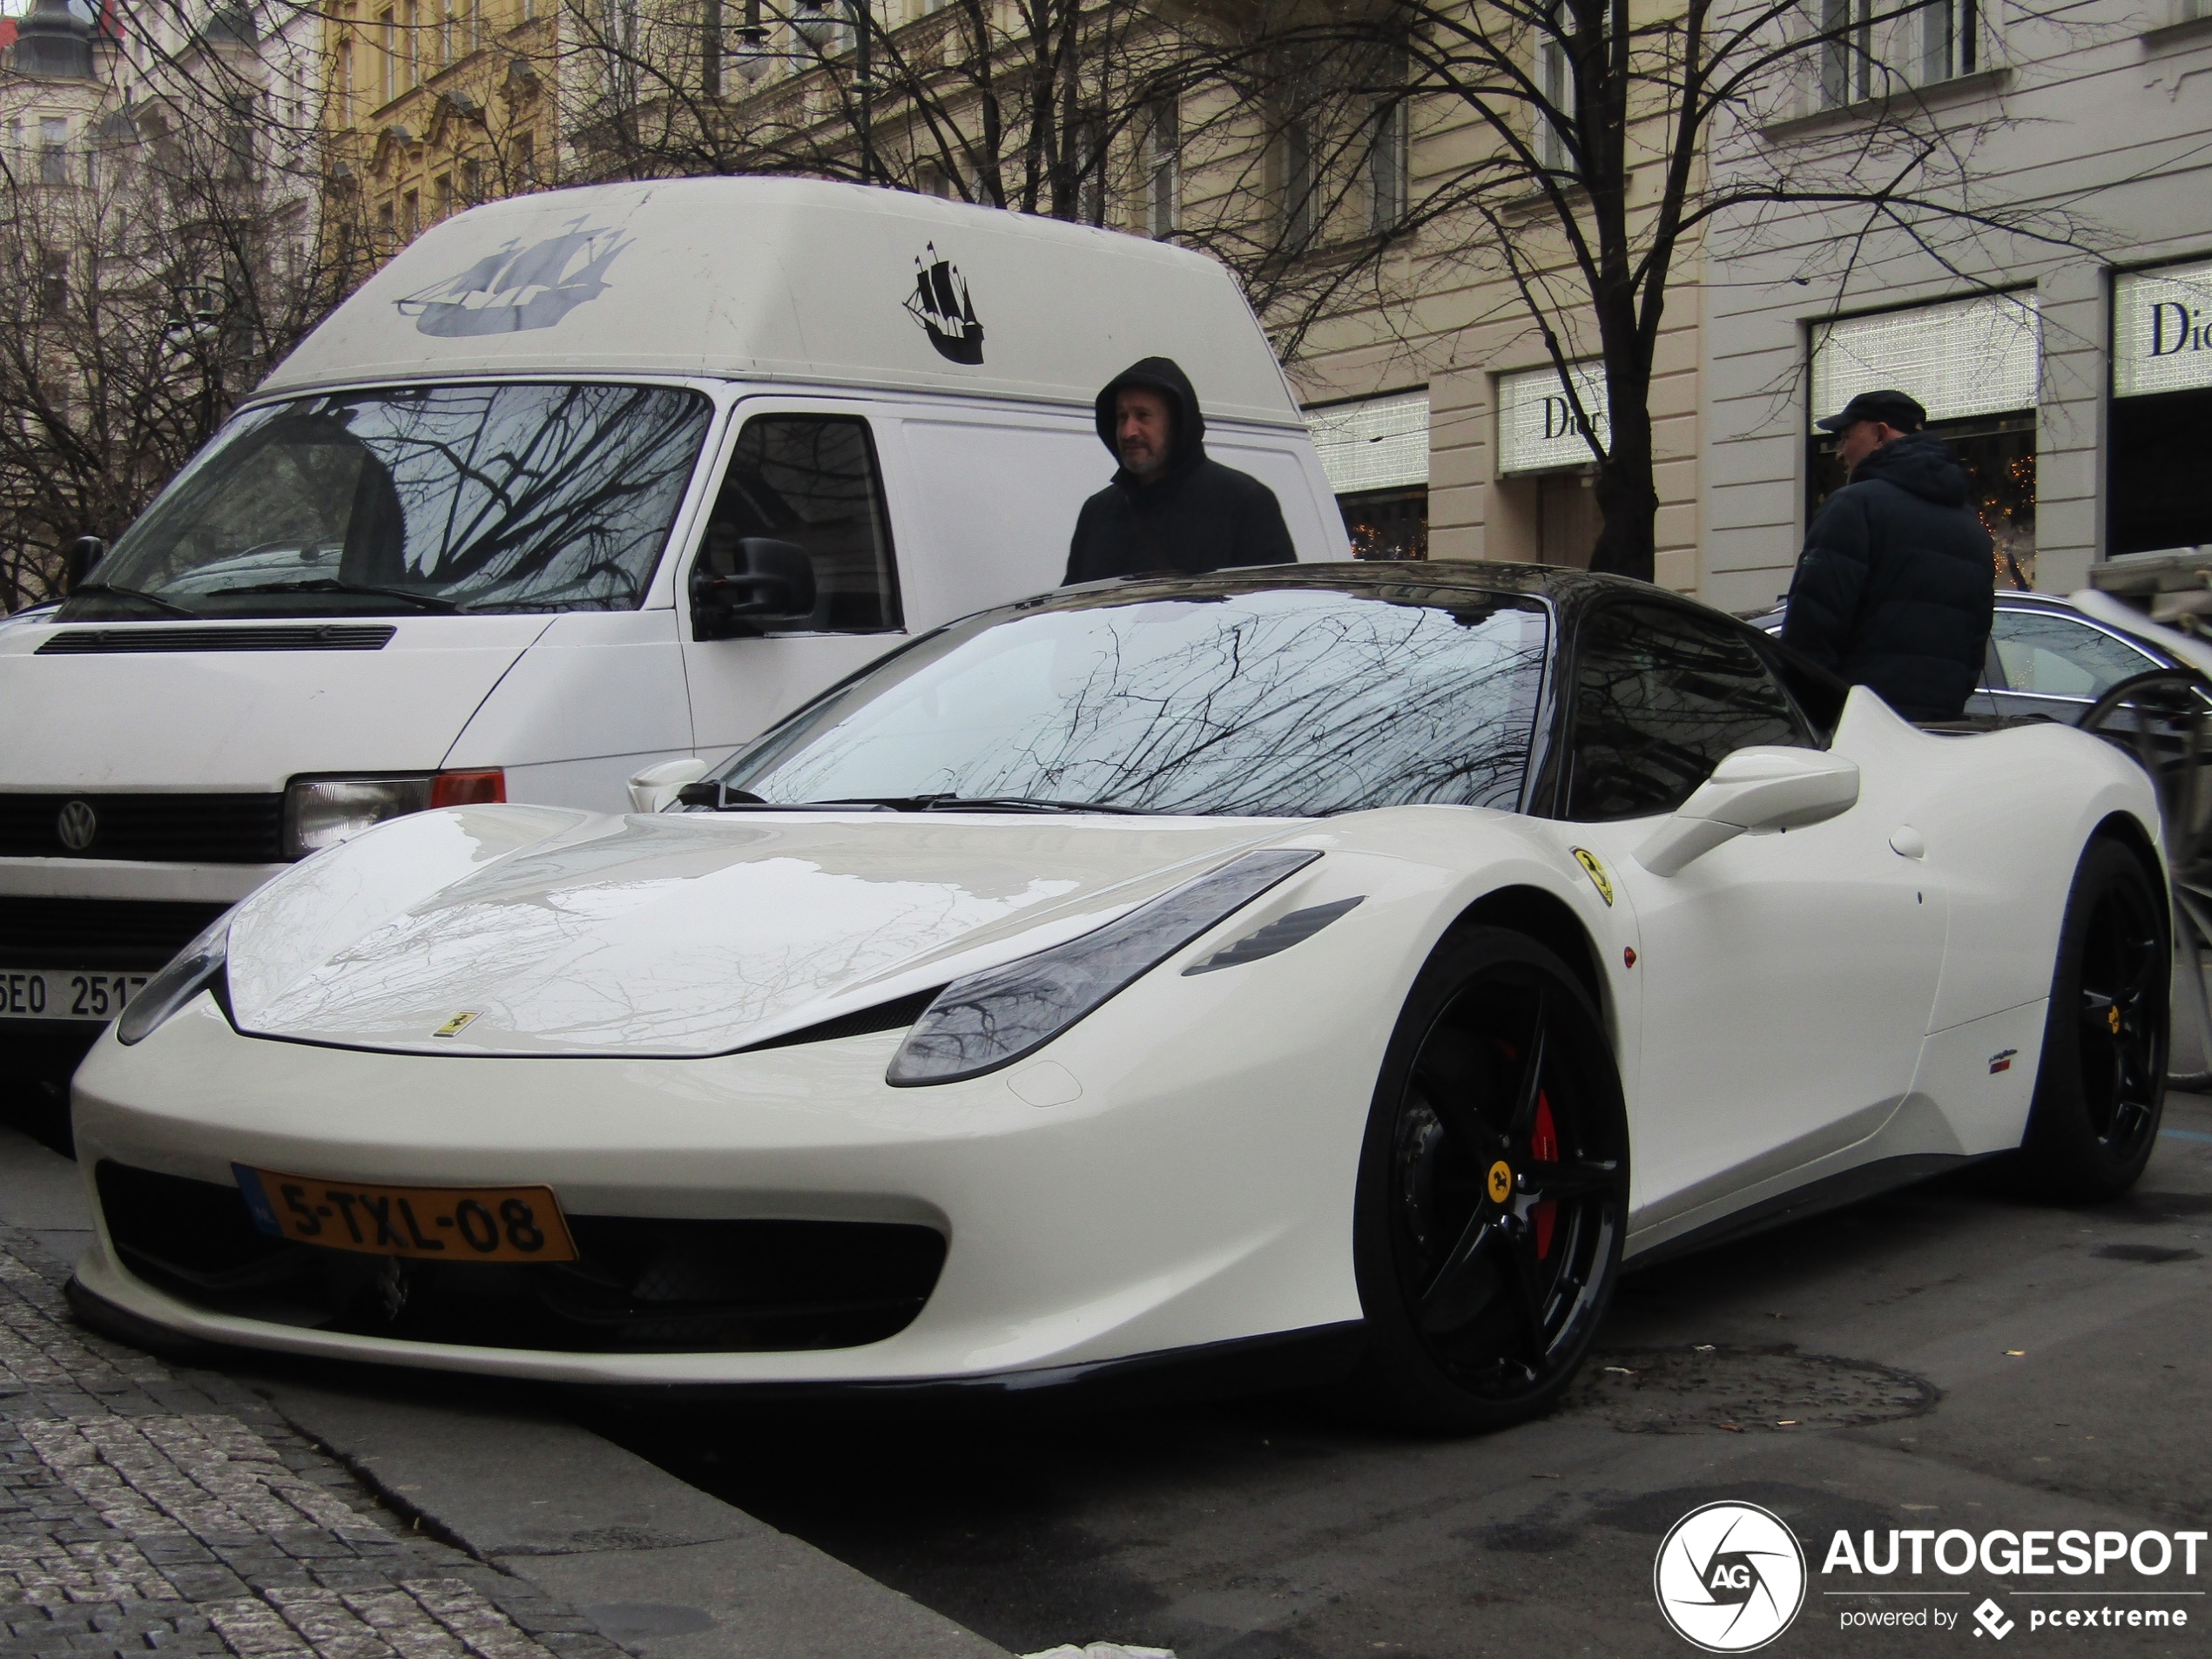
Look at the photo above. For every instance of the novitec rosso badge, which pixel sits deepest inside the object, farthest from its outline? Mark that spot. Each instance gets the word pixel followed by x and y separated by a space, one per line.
pixel 1730 1577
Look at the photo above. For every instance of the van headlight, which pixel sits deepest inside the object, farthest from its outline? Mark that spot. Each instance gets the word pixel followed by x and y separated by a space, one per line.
pixel 199 965
pixel 322 812
pixel 993 1018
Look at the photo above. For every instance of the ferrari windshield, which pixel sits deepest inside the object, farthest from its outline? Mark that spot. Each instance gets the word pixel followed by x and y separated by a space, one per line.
pixel 1282 702
pixel 488 497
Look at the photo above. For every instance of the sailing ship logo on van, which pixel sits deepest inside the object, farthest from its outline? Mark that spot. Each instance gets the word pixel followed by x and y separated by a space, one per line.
pixel 518 287
pixel 941 303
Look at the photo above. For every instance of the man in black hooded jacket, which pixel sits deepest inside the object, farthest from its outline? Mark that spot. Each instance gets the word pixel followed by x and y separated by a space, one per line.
pixel 1894 589
pixel 1168 508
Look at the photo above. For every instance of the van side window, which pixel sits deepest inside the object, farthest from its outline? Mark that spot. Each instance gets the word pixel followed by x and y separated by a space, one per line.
pixel 1661 696
pixel 811 480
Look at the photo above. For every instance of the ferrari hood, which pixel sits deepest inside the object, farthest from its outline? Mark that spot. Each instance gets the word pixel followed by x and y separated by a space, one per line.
pixel 688 934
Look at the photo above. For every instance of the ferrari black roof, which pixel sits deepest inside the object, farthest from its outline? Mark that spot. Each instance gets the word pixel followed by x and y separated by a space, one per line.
pixel 1566 589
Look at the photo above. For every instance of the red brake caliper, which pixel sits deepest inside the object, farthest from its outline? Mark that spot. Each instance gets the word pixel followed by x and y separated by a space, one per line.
pixel 1543 1147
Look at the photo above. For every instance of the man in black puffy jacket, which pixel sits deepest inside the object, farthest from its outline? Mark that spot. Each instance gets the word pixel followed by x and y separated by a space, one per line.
pixel 1896 587
pixel 1168 508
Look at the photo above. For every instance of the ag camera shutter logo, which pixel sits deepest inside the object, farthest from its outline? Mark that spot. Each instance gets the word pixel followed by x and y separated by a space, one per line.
pixel 1730 1577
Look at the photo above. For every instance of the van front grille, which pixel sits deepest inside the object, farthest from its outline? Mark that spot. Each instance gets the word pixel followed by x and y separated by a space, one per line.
pixel 106 935
pixel 179 829
pixel 640 1285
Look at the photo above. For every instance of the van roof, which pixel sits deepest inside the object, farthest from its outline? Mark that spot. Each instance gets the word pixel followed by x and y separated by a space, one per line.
pixel 795 279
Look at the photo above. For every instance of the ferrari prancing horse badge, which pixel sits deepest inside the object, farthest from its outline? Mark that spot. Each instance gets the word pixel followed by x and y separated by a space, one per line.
pixel 1596 870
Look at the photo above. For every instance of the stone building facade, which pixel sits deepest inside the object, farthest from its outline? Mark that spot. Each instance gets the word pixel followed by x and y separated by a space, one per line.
pixel 2058 343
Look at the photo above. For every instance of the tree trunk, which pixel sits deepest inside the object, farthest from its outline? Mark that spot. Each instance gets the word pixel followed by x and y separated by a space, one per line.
pixel 1628 498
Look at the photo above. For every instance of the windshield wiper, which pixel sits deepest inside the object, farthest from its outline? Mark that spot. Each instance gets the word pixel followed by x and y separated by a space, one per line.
pixel 1015 804
pixel 724 799
pixel 167 607
pixel 331 584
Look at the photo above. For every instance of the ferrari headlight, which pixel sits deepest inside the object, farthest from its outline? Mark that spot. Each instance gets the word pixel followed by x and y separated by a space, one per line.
pixel 993 1018
pixel 197 966
pixel 322 812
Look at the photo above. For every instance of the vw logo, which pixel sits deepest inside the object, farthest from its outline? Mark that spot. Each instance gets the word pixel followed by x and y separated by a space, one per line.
pixel 77 825
pixel 1730 1577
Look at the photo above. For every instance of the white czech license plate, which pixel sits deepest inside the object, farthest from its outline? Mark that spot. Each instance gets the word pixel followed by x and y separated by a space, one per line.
pixel 65 993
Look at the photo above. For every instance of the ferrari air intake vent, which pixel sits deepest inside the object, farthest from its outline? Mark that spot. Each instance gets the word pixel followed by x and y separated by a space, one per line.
pixel 884 1016
pixel 152 636
pixel 640 1285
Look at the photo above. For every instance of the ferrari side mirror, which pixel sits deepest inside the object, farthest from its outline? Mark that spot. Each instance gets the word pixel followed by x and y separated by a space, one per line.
pixel 1765 787
pixel 656 788
pixel 752 585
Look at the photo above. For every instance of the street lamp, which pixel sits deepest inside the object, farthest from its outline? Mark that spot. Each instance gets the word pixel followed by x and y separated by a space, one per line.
pixel 814 27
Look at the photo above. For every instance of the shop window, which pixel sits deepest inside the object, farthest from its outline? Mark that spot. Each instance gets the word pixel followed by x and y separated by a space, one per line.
pixel 1998 453
pixel 1375 455
pixel 2161 410
pixel 1387 523
pixel 2155 490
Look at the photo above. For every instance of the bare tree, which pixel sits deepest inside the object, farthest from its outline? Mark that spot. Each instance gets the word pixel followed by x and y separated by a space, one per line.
pixel 1582 149
pixel 1022 105
pixel 156 268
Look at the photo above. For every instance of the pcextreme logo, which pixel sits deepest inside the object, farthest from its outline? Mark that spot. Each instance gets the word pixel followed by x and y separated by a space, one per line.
pixel 1730 1577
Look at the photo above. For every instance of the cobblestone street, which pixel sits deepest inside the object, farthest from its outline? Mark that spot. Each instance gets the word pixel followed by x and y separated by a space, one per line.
pixel 147 1508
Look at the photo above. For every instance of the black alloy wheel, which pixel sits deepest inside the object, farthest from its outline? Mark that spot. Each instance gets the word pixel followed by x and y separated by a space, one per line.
pixel 1493 1189
pixel 2163 718
pixel 2100 1087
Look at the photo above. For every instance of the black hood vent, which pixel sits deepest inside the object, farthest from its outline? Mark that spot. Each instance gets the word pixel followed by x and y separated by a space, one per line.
pixel 149 636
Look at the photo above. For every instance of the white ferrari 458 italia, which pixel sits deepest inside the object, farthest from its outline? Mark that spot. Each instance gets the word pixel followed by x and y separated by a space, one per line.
pixel 1289 974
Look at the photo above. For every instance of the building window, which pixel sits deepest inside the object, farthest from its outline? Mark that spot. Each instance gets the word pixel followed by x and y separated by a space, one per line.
pixel 1375 455
pixel 472 182
pixel 1299 218
pixel 388 39
pixel 53 284
pixel 526 160
pixel 1387 165
pixel 1868 49
pixel 1556 85
pixel 1163 166
pixel 387 233
pixel 1975 366
pixel 1089 160
pixel 443 187
pixel 53 149
pixel 411 214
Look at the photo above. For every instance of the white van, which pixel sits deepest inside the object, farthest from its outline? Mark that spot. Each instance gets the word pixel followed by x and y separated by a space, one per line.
pixel 542 504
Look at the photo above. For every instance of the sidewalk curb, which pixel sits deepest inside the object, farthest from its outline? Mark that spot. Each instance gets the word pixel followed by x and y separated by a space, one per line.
pixel 660 1567
pixel 657 1566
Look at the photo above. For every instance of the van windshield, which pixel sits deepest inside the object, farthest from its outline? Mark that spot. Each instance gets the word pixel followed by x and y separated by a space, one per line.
pixel 477 498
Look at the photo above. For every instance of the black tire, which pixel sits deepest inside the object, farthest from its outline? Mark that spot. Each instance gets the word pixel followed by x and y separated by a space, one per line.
pixel 2100 1083
pixel 1487 1248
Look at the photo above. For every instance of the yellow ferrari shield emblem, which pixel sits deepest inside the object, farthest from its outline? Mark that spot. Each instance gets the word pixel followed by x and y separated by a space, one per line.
pixel 1596 870
pixel 452 1027
pixel 2112 1018
pixel 1501 1182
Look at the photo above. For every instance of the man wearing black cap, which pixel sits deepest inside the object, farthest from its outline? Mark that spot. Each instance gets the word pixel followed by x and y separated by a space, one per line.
pixel 1168 508
pixel 1896 587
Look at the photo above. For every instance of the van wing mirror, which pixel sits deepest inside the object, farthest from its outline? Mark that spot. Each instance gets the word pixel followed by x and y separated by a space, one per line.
pixel 79 559
pixel 746 589
pixel 1764 787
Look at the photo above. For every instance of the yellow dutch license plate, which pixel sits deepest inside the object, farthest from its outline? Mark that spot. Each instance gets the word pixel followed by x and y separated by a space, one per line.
pixel 433 1224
